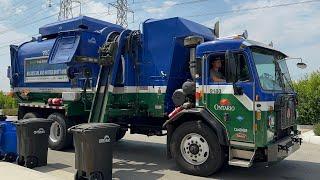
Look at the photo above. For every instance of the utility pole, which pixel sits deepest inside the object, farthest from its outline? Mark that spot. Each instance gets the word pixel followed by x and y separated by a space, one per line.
pixel 66 9
pixel 122 12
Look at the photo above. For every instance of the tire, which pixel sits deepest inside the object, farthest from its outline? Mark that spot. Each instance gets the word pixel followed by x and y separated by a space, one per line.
pixel 120 134
pixel 31 162
pixel 59 137
pixel 194 132
pixel 78 176
pixel 30 115
pixel 1 156
pixel 20 161
pixel 10 157
pixel 96 176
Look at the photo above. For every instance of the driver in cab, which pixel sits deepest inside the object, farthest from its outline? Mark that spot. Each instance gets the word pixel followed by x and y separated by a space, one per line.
pixel 215 73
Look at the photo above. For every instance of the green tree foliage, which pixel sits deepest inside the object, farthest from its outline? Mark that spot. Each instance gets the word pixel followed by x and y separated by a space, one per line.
pixel 316 129
pixel 7 102
pixel 308 91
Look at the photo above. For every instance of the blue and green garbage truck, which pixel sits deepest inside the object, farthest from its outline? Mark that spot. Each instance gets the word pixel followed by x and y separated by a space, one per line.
pixel 160 80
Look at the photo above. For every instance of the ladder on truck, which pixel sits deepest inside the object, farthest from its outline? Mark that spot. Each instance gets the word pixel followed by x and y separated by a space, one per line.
pixel 107 77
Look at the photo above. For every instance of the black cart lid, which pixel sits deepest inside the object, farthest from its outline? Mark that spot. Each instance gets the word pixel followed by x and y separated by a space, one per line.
pixel 92 126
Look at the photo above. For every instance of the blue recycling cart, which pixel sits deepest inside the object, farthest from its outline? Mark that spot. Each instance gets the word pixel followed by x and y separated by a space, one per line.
pixel 8 141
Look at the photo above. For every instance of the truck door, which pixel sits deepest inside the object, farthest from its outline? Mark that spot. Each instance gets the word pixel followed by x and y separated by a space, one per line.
pixel 231 100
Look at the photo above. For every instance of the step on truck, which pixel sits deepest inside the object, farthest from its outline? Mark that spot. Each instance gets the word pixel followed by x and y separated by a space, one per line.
pixel 216 99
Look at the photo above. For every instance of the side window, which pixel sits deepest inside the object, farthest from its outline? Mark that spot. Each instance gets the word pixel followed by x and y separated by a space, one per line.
pixel 216 67
pixel 242 68
pixel 217 70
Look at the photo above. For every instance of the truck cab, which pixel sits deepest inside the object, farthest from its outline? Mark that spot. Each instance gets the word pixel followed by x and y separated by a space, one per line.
pixel 244 95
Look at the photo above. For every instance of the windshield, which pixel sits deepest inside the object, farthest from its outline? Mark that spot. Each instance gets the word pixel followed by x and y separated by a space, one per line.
pixel 269 65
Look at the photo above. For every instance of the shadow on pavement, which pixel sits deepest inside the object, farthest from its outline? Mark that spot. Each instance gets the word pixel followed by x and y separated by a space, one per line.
pixel 287 169
pixel 140 160
pixel 52 167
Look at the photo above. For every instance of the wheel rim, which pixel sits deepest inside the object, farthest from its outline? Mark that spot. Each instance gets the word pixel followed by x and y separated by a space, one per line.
pixel 194 149
pixel 55 132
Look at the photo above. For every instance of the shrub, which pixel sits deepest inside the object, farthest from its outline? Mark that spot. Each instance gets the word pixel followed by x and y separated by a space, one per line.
pixel 7 101
pixel 10 112
pixel 308 91
pixel 316 129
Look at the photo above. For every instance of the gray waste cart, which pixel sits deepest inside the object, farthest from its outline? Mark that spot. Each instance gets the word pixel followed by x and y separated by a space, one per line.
pixel 32 140
pixel 93 150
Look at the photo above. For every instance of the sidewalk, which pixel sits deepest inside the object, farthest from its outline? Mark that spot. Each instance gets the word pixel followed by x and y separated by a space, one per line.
pixel 12 171
pixel 310 137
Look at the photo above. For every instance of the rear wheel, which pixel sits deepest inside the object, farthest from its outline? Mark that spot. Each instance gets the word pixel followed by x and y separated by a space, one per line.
pixel 30 115
pixel 59 137
pixel 10 157
pixel 31 162
pixel 96 176
pixel 196 149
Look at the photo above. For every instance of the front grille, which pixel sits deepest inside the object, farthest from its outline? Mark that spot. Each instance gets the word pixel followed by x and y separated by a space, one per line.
pixel 285 109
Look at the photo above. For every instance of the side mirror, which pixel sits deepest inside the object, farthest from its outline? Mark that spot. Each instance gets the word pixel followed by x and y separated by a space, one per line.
pixel 301 65
pixel 9 72
pixel 230 67
pixel 216 30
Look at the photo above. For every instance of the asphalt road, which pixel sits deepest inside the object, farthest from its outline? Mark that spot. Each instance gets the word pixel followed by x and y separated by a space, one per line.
pixel 138 157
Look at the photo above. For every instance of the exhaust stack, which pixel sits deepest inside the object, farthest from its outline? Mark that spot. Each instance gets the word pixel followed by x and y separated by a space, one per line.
pixel 192 42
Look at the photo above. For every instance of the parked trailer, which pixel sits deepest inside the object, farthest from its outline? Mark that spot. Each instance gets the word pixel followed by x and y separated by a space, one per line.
pixel 162 81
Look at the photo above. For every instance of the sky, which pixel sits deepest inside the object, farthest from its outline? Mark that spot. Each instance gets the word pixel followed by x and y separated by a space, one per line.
pixel 293 26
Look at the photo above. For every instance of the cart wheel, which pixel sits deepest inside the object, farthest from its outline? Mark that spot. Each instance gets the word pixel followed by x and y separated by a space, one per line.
pixel 78 176
pixel 96 176
pixel 1 156
pixel 31 162
pixel 20 161
pixel 10 157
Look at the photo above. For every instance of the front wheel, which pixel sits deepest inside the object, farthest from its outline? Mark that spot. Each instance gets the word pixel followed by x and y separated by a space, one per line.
pixel 196 149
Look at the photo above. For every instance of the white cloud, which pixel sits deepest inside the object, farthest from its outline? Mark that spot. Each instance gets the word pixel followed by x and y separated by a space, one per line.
pixel 292 29
pixel 162 9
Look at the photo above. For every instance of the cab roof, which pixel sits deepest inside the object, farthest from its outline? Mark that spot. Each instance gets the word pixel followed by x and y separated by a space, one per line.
pixel 224 44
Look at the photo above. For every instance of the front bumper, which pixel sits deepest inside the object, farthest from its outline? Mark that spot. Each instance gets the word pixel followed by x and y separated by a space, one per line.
pixel 283 148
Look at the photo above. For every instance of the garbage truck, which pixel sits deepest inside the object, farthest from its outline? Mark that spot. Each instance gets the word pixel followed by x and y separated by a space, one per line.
pixel 216 99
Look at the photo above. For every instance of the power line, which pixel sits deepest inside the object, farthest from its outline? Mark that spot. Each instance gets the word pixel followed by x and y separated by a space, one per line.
pixel 66 9
pixel 222 12
pixel 122 12
pixel 35 21
pixel 255 8
pixel 18 5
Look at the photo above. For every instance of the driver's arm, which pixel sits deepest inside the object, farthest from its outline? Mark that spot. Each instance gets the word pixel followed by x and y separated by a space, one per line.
pixel 216 79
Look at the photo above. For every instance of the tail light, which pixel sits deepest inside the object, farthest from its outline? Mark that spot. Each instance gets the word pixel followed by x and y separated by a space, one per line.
pixel 55 101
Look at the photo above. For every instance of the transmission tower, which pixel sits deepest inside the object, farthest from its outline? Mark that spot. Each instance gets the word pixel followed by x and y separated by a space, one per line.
pixel 122 12
pixel 66 9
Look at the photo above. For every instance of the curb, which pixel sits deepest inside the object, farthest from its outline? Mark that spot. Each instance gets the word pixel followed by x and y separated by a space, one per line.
pixel 310 137
pixel 15 172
